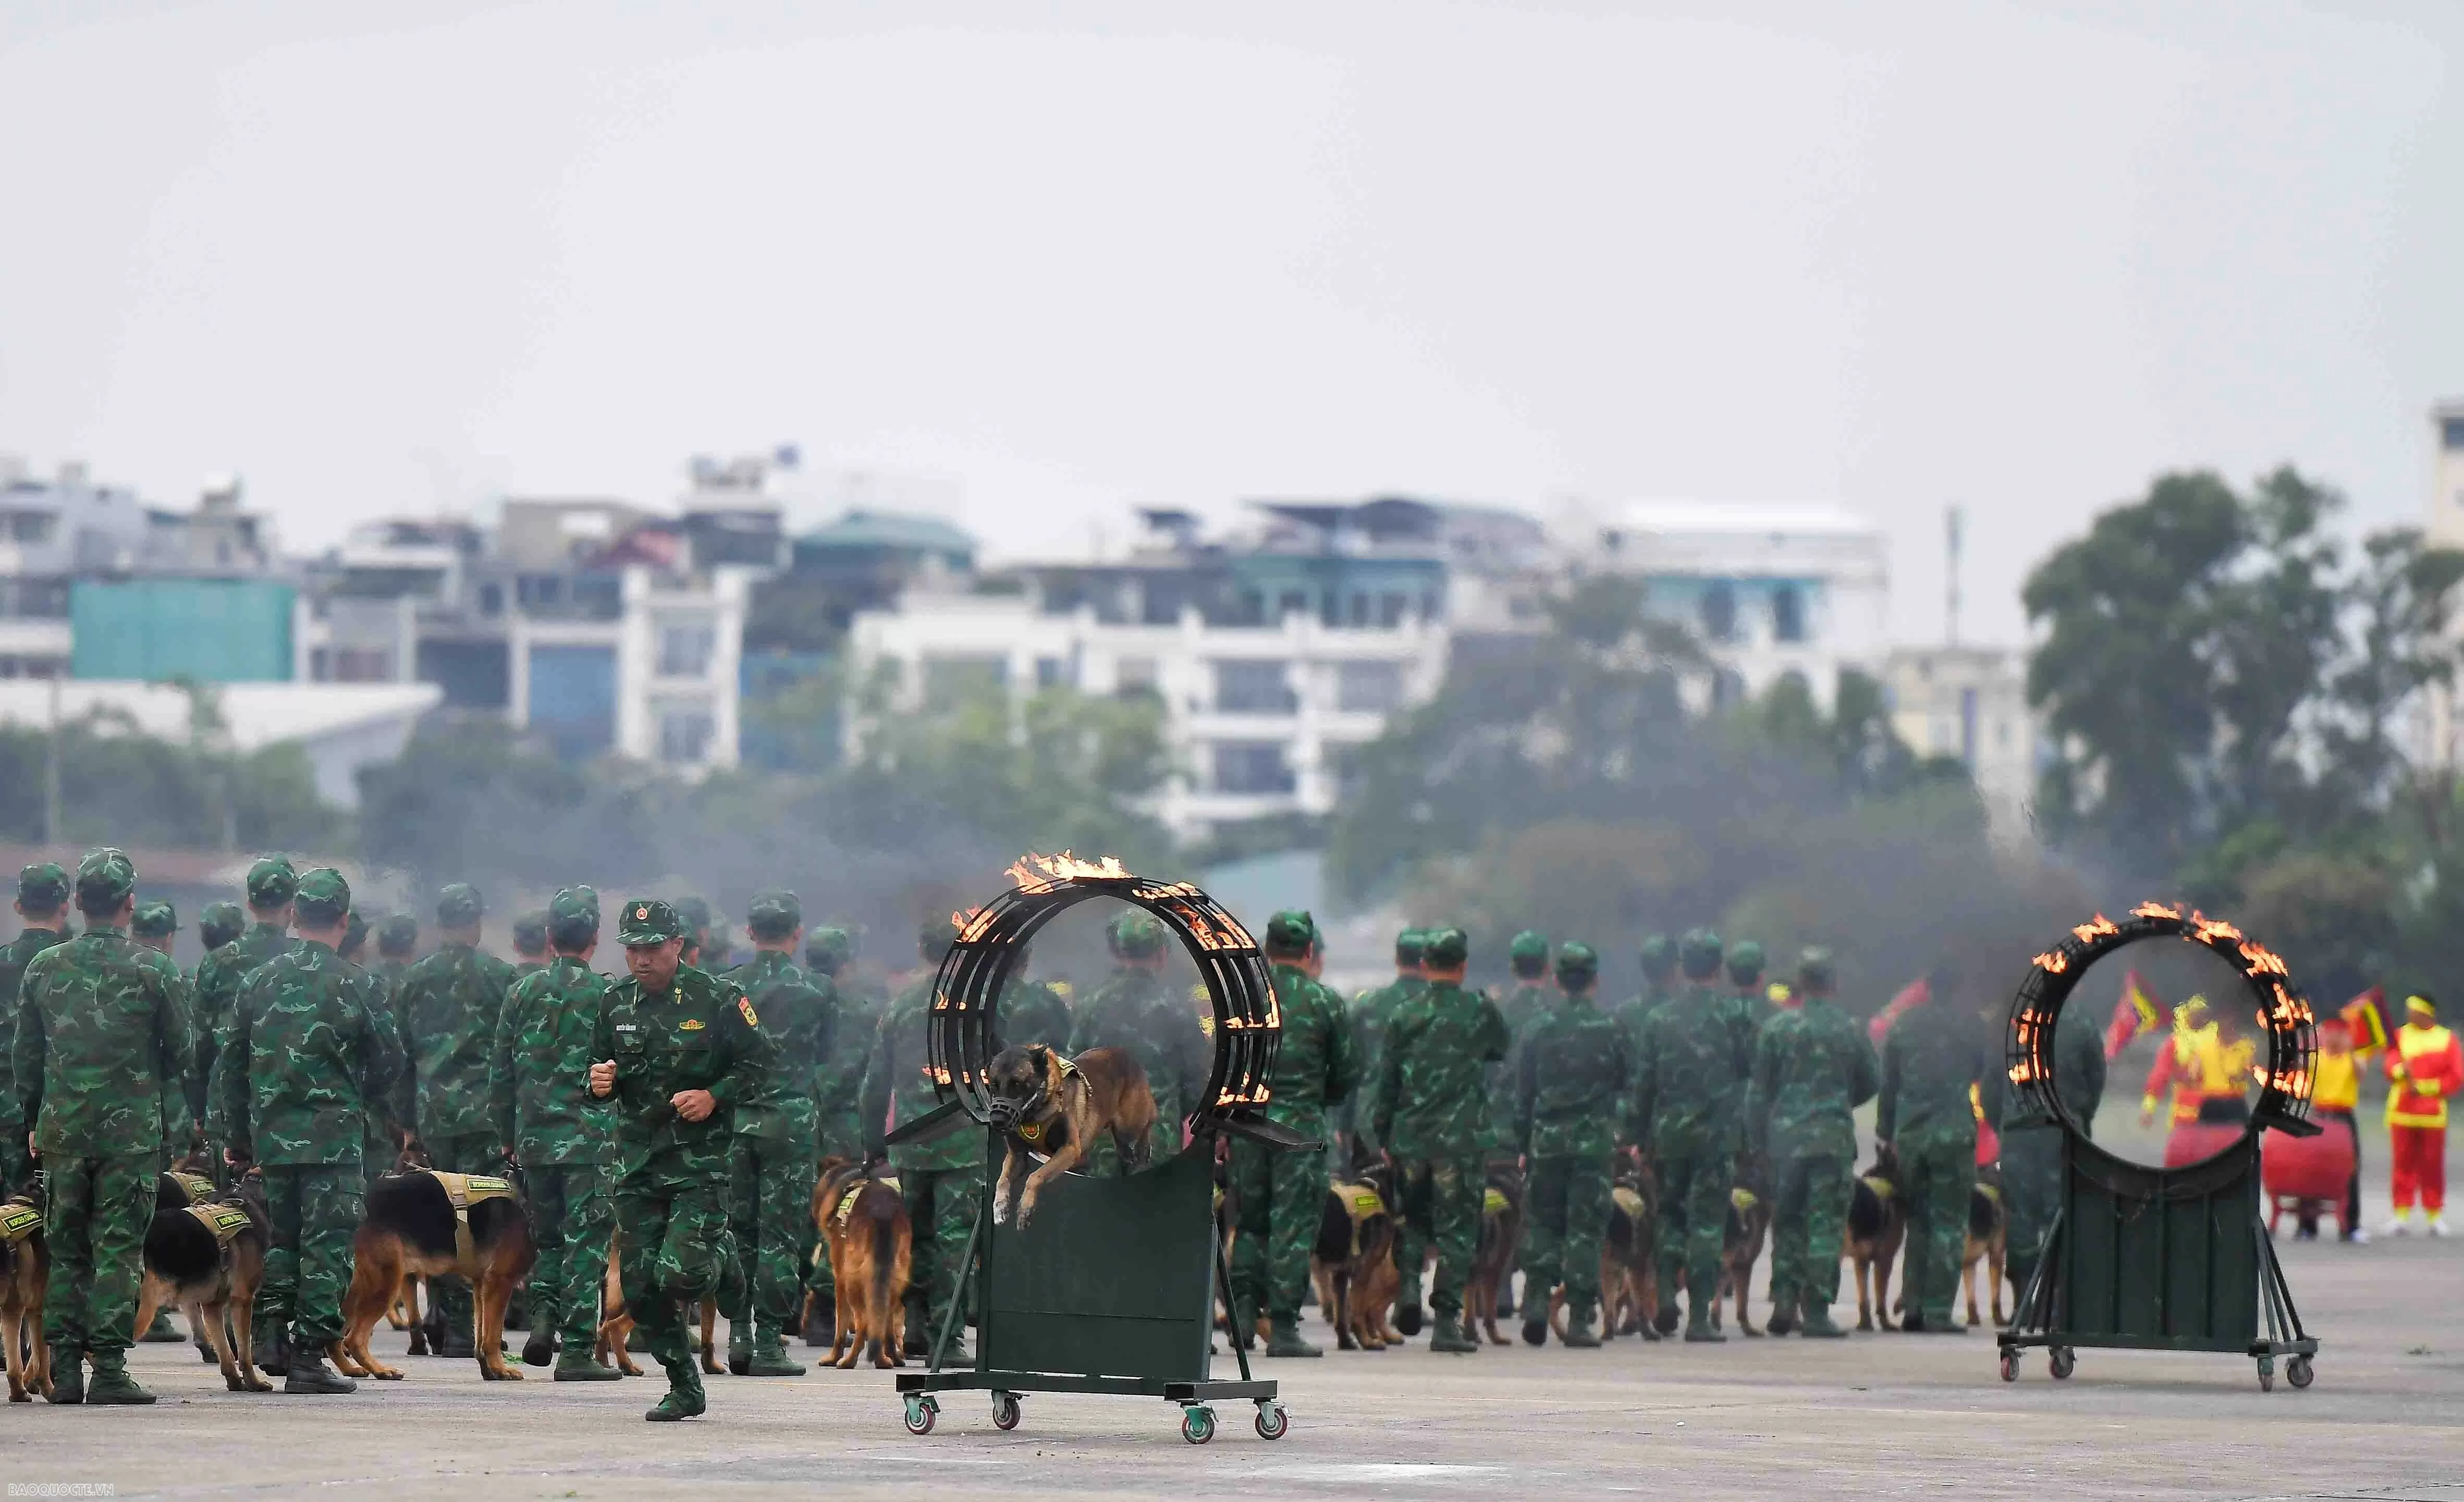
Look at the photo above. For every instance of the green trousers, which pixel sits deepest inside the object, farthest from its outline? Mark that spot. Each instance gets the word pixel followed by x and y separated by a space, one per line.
pixel 1564 1219
pixel 570 1219
pixel 770 1209
pixel 675 1250
pixel 17 1159
pixel 1281 1196
pixel 1441 1201
pixel 941 1207
pixel 1937 1175
pixel 1694 1190
pixel 2032 1194
pixel 314 1211
pixel 466 1153
pixel 95 1226
pixel 1809 1223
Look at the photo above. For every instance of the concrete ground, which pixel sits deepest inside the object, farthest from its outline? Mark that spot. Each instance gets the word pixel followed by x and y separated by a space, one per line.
pixel 1878 1415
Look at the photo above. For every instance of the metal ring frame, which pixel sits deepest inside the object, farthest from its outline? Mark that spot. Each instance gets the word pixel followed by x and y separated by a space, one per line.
pixel 1248 1024
pixel 2292 1037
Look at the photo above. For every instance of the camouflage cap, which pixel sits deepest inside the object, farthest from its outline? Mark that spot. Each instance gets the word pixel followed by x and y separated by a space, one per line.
pixel 218 924
pixel 1408 947
pixel 459 906
pixel 271 882
pixel 156 919
pixel 1658 957
pixel 648 921
pixel 398 936
pixel 1135 936
pixel 1446 949
pixel 693 912
pixel 324 898
pixel 1527 953
pixel 1745 961
pixel 530 932
pixel 827 949
pixel 774 914
pixel 1290 932
pixel 42 887
pixel 1814 971
pixel 934 940
pixel 574 904
pixel 355 933
pixel 104 879
pixel 1698 954
pixel 1578 965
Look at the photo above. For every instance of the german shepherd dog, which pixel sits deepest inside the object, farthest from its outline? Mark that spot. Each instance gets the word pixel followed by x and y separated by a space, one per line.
pixel 1045 1103
pixel 615 1320
pixel 1501 1227
pixel 1878 1223
pixel 1740 1241
pixel 1989 1239
pixel 1629 1279
pixel 25 1278
pixel 205 1255
pixel 1354 1260
pixel 863 1221
pixel 412 1225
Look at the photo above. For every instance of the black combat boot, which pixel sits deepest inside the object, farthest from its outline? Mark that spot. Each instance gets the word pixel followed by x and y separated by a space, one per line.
pixel 685 1399
pixel 821 1326
pixel 309 1374
pixel 112 1383
pixel 67 1377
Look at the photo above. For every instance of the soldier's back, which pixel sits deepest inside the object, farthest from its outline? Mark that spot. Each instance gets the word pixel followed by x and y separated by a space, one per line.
pixel 114 1019
pixel 312 1042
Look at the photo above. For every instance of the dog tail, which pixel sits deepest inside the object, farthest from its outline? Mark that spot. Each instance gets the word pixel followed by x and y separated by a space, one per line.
pixel 881 1209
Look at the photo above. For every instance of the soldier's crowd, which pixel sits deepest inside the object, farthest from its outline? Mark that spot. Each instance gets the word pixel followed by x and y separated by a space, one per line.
pixel 683 1107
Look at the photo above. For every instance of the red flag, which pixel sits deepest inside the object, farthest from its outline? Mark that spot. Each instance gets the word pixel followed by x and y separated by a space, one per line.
pixel 1913 994
pixel 2136 1014
pixel 2366 1014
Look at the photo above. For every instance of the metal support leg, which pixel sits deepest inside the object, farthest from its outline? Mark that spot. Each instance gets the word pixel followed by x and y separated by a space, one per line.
pixel 1231 1310
pixel 958 1294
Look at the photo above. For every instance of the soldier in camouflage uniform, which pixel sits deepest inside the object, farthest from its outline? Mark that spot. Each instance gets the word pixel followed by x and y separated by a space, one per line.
pixel 1031 1011
pixel 941 1178
pixel 305 1060
pixel 1746 964
pixel 1133 1009
pixel 776 1140
pixel 101 1060
pixel 1432 1113
pixel 558 1137
pixel 1692 1057
pixel 1658 957
pixel 448 1005
pixel 271 885
pixel 218 924
pixel 1932 1058
pixel 1812 1067
pixel 841 1134
pixel 155 925
pixel 1370 1011
pixel 1282 1195
pixel 1531 996
pixel 1572 1071
pixel 530 942
pixel 678 1050
pixel 397 942
pixel 2031 1145
pixel 43 902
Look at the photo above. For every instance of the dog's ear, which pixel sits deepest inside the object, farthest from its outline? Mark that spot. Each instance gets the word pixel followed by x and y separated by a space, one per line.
pixel 1042 1057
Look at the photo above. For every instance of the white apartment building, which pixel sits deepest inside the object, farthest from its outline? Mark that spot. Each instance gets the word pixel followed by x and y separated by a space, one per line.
pixel 1972 702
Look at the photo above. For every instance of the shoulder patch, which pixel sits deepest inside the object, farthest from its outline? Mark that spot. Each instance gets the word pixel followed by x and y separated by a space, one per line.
pixel 744 1005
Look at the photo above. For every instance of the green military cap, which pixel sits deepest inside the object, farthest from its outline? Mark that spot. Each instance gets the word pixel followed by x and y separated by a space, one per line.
pixel 155 921
pixel 827 949
pixel 271 882
pixel 1658 957
pixel 1290 932
pixel 1814 970
pixel 1528 952
pixel 218 924
pixel 572 918
pixel 323 897
pixel 530 932
pixel 104 879
pixel 459 906
pixel 648 921
pixel 1409 945
pixel 1698 953
pixel 934 940
pixel 693 912
pixel 1578 965
pixel 774 914
pixel 1446 948
pixel 42 887
pixel 355 933
pixel 397 936
pixel 1135 936
pixel 1745 961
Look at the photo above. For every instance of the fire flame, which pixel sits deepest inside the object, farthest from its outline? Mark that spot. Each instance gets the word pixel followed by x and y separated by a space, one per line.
pixel 1042 873
pixel 2209 930
pixel 971 923
pixel 2155 909
pixel 2261 960
pixel 2053 961
pixel 2089 933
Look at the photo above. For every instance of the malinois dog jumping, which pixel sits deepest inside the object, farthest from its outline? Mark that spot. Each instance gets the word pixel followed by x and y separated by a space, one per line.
pixel 1045 1103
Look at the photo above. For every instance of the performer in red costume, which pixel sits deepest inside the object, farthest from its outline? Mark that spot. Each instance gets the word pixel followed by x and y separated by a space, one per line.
pixel 2425 1066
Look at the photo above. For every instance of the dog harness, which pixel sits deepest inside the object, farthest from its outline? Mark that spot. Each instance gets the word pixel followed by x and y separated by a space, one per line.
pixel 20 1219
pixel 196 1186
pixel 465 1190
pixel 1361 1204
pixel 1882 1188
pixel 224 1221
pixel 1743 1200
pixel 1493 1203
pixel 1627 1200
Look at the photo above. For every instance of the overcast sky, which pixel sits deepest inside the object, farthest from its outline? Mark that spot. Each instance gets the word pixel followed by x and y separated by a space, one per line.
pixel 1048 262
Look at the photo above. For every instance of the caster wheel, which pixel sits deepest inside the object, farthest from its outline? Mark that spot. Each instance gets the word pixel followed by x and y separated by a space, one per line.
pixel 1005 1411
pixel 1196 1423
pixel 1273 1423
pixel 2064 1361
pixel 2010 1367
pixel 2267 1374
pixel 922 1411
pixel 2298 1371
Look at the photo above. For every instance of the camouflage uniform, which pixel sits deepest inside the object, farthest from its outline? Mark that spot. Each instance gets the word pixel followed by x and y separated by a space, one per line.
pixel 942 1178
pixel 1745 966
pixel 1529 997
pixel 305 1060
pixel 1572 1073
pixel 1135 1010
pixel 448 1005
pixel 1812 1067
pixel 41 889
pixel 272 884
pixel 1370 1011
pixel 1280 1195
pixel 1930 1059
pixel 1658 983
pixel 777 1143
pixel 1692 1057
pixel 839 1086
pixel 702 1033
pixel 2032 1147
pixel 559 1134
pixel 101 1059
pixel 1033 1012
pixel 1432 1113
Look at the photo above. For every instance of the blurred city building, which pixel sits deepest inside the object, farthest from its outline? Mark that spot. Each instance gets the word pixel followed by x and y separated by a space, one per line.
pixel 1972 703
pixel 2443 527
